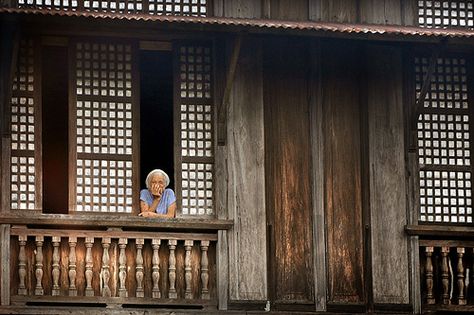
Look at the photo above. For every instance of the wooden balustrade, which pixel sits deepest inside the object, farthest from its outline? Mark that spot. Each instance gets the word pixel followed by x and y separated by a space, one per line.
pixel 143 267
pixel 447 277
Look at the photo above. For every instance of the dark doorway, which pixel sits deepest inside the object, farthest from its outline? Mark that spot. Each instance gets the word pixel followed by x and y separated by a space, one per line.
pixel 54 89
pixel 156 114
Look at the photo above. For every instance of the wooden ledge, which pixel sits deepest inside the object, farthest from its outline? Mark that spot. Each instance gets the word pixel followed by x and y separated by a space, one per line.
pixel 440 230
pixel 107 221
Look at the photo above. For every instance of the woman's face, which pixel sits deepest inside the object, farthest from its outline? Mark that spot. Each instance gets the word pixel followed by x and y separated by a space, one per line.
pixel 157 184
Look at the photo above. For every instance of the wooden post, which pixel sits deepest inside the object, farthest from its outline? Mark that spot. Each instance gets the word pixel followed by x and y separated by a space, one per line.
pixel 429 275
pixel 22 264
pixel 460 267
pixel 122 267
pixel 204 270
pixel 105 273
pixel 188 245
pixel 172 270
pixel 72 266
pixel 445 275
pixel 139 268
pixel 56 272
pixel 39 265
pixel 155 243
pixel 89 242
pixel 5 261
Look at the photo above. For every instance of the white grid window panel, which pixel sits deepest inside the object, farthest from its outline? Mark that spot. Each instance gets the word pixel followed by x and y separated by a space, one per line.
pixel 104 185
pixel 22 182
pixel 446 14
pixel 196 130
pixel 443 135
pixel 65 5
pixel 445 196
pixel 195 72
pixel 104 127
pixel 178 7
pixel 119 6
pixel 197 190
pixel 22 124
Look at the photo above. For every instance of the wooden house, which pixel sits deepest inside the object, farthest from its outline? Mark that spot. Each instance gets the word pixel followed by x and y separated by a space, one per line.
pixel 319 150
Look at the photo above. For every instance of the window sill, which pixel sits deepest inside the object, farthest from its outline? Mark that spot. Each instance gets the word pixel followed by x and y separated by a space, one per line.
pixel 106 221
pixel 440 230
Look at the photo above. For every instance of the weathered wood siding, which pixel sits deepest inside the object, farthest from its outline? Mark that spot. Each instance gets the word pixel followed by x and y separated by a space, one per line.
pixel 341 115
pixel 381 12
pixel 247 240
pixel 289 10
pixel 343 11
pixel 242 9
pixel 288 169
pixel 387 176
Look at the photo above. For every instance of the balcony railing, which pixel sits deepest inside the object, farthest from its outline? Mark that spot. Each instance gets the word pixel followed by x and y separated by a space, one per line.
pixel 112 267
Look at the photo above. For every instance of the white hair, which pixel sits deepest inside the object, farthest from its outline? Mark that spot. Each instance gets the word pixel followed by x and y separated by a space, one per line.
pixel 160 172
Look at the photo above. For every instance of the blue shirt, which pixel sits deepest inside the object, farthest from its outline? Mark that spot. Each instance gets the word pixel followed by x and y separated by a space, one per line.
pixel 167 199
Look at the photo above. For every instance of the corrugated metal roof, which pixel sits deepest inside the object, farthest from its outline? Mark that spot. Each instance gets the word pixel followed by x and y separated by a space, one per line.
pixel 343 28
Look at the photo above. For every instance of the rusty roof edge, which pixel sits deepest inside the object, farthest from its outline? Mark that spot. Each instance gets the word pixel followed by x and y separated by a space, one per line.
pixel 261 23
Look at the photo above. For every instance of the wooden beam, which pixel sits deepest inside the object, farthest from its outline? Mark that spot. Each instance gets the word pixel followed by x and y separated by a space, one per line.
pixel 222 110
pixel 5 264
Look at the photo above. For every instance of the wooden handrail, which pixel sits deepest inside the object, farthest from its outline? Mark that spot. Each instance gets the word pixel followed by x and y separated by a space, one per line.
pixel 431 230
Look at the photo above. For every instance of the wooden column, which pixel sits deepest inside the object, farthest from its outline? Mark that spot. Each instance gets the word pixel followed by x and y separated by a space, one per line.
pixel 188 245
pixel 122 267
pixel 5 258
pixel 445 275
pixel 172 269
pixel 89 242
pixel 72 266
pixel 39 265
pixel 155 243
pixel 105 273
pixel 139 267
pixel 429 275
pixel 56 272
pixel 460 275
pixel 204 270
pixel 22 265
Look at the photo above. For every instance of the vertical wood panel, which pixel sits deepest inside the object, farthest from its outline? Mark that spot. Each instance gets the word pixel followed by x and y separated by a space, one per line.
pixel 249 9
pixel 387 176
pixel 341 114
pixel 5 264
pixel 289 10
pixel 343 11
pixel 410 12
pixel 288 169
pixel 248 279
pixel 381 12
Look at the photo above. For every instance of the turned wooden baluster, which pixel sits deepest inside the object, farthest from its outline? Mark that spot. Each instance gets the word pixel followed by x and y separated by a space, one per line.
pixel 139 268
pixel 461 298
pixel 89 242
pixel 172 269
pixel 72 266
pixel 105 274
pixel 122 267
pixel 445 275
pixel 56 272
pixel 39 265
pixel 22 264
pixel 429 275
pixel 188 245
pixel 155 243
pixel 205 270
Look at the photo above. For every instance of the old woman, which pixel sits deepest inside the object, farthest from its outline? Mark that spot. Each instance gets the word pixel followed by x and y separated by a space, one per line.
pixel 157 200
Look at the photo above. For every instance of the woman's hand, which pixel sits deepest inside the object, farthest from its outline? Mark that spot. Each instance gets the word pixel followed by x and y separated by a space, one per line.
pixel 157 190
pixel 147 214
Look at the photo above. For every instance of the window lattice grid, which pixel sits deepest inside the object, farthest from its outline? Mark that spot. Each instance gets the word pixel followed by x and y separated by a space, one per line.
pixel 443 140
pixel 104 127
pixel 120 6
pixel 195 72
pixel 448 86
pixel 22 123
pixel 104 185
pixel 197 188
pixel 22 182
pixel 103 70
pixel 196 130
pixel 445 14
pixel 23 79
pixel 445 196
pixel 49 4
pixel 178 7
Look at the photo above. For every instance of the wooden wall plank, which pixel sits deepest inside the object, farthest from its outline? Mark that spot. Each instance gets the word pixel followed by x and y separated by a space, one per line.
pixel 381 12
pixel 250 9
pixel 410 12
pixel 387 175
pixel 296 10
pixel 341 112
pixel 5 264
pixel 288 169
pixel 247 241
pixel 343 11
